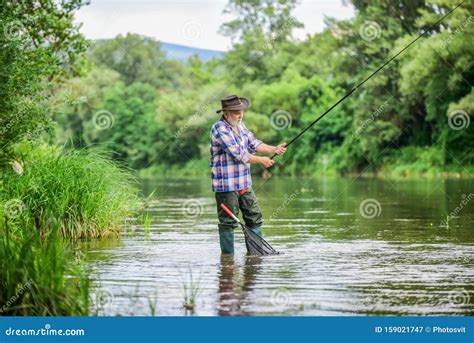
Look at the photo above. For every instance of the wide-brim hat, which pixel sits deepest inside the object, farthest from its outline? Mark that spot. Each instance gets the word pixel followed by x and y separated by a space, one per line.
pixel 234 103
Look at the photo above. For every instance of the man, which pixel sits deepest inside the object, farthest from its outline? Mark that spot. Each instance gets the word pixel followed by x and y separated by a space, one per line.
pixel 233 149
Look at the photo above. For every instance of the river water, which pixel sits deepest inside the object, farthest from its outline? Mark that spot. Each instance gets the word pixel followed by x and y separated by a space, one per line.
pixel 349 246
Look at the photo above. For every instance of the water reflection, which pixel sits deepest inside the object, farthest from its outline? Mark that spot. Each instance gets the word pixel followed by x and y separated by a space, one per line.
pixel 235 287
pixel 336 261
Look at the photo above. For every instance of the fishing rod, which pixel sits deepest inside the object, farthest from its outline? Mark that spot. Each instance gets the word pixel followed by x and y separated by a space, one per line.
pixel 366 79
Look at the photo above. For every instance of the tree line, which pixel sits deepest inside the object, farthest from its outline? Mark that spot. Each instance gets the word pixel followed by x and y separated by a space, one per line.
pixel 152 111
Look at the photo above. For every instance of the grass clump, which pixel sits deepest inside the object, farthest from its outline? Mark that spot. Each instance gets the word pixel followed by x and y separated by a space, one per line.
pixel 191 290
pixel 40 275
pixel 83 191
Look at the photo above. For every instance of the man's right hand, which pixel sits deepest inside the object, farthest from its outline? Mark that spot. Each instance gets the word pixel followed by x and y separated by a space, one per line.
pixel 266 162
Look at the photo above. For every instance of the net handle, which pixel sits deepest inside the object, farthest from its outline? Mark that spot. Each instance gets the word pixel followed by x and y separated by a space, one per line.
pixel 229 212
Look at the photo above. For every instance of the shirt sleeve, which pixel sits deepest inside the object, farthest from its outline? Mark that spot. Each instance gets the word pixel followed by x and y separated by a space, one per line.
pixel 253 142
pixel 226 139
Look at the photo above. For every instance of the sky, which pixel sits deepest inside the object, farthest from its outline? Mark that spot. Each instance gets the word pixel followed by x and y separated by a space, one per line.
pixel 189 22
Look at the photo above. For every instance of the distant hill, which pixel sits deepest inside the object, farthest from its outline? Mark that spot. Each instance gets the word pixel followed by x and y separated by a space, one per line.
pixel 182 52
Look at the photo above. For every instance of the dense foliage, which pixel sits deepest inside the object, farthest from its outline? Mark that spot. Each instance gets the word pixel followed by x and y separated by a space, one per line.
pixel 40 46
pixel 412 116
pixel 153 111
pixel 49 198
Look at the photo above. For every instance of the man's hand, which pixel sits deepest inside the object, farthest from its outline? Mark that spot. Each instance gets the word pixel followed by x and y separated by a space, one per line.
pixel 280 149
pixel 266 162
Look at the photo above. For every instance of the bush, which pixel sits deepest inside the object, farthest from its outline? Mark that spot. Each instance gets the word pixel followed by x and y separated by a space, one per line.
pixel 416 160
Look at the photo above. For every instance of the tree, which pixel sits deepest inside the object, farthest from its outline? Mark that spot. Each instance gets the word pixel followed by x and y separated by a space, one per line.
pixel 137 59
pixel 260 34
pixel 40 46
pixel 272 18
pixel 113 116
pixel 437 77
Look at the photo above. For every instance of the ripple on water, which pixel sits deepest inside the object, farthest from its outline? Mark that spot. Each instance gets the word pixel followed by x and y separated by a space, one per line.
pixel 333 262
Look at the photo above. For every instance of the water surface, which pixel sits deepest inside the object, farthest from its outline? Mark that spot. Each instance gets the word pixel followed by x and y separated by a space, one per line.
pixel 350 246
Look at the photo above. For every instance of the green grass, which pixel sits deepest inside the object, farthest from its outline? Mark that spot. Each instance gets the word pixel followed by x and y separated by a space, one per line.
pixel 146 223
pixel 191 290
pixel 85 192
pixel 40 274
pixel 60 198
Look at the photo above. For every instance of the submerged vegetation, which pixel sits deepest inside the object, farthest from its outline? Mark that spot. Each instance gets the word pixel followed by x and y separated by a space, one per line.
pixel 191 290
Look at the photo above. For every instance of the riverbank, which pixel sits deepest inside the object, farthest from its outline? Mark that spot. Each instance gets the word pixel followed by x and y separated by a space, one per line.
pixel 200 168
pixel 50 200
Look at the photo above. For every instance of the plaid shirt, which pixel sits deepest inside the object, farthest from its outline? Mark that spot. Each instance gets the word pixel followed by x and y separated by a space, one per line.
pixel 230 153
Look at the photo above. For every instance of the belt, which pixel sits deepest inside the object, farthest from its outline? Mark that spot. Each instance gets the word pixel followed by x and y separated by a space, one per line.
pixel 242 191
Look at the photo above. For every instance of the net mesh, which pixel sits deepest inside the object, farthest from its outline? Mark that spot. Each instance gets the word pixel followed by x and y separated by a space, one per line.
pixel 256 245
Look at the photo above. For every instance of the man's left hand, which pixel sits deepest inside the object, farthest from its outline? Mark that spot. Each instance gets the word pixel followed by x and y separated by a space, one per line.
pixel 280 149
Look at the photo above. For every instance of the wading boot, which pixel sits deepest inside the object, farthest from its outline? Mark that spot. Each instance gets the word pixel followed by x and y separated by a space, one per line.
pixel 226 238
